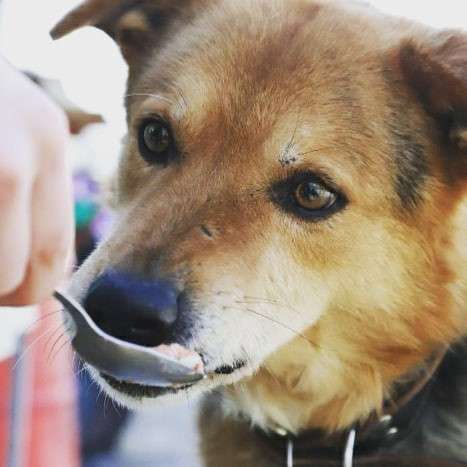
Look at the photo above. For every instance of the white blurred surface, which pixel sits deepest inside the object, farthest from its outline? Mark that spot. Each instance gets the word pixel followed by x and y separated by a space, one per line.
pixel 15 322
pixel 440 14
pixel 86 62
pixel 90 66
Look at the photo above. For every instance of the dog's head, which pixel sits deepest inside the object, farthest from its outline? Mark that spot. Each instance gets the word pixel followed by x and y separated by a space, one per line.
pixel 289 197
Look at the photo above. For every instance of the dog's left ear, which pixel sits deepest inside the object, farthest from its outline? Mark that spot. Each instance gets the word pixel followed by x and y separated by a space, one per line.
pixel 436 69
pixel 136 25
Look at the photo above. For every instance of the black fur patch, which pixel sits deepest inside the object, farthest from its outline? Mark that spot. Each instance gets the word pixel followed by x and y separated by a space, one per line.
pixel 411 165
pixel 229 369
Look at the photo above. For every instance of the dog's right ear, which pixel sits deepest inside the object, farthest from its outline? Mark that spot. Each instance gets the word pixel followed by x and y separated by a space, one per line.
pixel 136 25
pixel 436 68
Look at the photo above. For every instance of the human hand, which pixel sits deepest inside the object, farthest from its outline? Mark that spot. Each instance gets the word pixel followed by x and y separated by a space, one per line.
pixel 36 217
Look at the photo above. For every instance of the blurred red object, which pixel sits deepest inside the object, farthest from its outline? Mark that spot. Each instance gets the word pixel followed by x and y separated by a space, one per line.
pixel 6 367
pixel 38 419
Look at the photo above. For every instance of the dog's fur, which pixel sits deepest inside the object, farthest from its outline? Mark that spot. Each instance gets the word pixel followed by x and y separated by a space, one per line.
pixel 328 315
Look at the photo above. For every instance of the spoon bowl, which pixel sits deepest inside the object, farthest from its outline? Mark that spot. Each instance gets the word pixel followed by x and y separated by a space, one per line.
pixel 119 359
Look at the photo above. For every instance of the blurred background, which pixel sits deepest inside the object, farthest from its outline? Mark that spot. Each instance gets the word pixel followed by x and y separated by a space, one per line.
pixel 52 415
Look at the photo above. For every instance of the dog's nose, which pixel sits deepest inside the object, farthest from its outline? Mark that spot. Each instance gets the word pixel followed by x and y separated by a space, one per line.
pixel 133 309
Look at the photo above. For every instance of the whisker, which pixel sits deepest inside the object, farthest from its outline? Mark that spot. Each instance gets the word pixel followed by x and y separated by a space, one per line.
pixel 324 350
pixel 49 355
pixel 252 299
pixel 99 393
pixel 79 372
pixel 106 397
pixel 291 142
pixel 259 301
pixel 182 97
pixel 53 334
pixel 280 323
pixel 30 346
pixel 273 375
pixel 262 300
pixel 115 407
pixel 257 193
pixel 155 96
pixel 313 151
pixel 42 318
pixel 67 342
pixel 50 352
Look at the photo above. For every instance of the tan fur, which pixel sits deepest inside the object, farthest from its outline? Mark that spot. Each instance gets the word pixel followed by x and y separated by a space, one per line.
pixel 365 296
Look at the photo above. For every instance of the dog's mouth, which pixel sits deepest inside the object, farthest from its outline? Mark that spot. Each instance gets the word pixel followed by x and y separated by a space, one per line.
pixel 140 391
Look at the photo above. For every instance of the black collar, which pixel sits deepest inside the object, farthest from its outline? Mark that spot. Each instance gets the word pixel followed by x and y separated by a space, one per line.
pixel 363 441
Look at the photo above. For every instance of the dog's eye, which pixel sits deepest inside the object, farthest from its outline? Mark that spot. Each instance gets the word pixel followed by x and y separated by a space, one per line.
pixel 313 196
pixel 155 142
pixel 307 196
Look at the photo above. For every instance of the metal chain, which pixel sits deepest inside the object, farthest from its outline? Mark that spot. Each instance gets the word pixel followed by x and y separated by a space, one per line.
pixel 349 448
pixel 290 452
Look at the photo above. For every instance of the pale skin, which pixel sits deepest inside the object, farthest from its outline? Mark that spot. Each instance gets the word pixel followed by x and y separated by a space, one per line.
pixel 36 217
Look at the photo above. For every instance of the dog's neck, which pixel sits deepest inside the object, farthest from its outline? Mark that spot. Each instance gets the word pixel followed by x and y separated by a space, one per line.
pixel 305 392
pixel 444 405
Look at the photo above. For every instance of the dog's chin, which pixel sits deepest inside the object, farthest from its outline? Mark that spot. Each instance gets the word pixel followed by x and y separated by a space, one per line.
pixel 139 391
pixel 136 396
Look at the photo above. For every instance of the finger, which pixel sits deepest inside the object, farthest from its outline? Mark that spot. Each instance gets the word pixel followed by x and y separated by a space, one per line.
pixel 16 179
pixel 52 220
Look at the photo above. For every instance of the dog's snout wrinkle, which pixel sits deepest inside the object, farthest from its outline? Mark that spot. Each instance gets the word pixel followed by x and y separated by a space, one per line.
pixel 134 309
pixel 207 231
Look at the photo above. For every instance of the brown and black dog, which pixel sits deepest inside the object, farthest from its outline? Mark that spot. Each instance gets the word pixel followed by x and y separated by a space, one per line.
pixel 291 207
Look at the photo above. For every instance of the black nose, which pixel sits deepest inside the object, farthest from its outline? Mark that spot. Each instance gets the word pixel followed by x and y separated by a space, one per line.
pixel 133 309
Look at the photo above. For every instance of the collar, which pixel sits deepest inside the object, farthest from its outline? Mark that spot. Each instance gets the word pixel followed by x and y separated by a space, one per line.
pixel 364 440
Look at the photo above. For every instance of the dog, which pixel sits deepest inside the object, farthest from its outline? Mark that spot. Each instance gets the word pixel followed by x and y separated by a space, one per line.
pixel 291 206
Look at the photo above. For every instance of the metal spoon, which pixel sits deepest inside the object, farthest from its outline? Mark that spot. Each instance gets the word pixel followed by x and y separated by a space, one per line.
pixel 122 360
